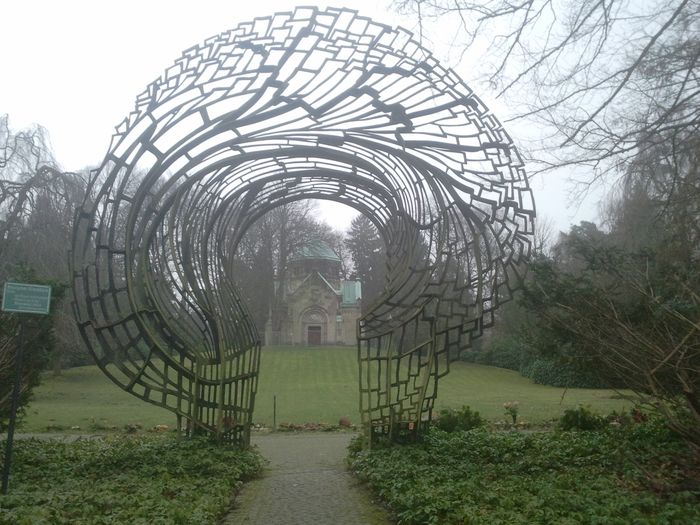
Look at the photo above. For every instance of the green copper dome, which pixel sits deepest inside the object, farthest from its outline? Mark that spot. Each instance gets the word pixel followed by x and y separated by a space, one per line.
pixel 316 250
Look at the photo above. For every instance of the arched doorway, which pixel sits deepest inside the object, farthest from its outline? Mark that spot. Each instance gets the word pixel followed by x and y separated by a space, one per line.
pixel 314 335
pixel 314 326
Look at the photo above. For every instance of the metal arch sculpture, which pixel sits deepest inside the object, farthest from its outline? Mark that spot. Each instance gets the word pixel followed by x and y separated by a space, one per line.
pixel 307 104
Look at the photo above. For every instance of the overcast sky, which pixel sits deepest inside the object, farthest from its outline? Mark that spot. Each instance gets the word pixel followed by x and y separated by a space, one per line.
pixel 76 67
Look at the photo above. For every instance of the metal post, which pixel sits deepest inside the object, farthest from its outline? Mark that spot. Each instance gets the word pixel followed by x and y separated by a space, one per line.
pixel 13 410
pixel 274 412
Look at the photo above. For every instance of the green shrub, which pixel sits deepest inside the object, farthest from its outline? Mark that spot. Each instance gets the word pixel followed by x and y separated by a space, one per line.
pixel 511 409
pixel 509 353
pixel 485 478
pixel 621 418
pixel 453 420
pixel 546 371
pixel 581 418
pixel 145 479
pixel 549 366
pixel 504 352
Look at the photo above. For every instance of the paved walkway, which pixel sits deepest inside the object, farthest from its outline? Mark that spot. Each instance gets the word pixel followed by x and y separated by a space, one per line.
pixel 305 483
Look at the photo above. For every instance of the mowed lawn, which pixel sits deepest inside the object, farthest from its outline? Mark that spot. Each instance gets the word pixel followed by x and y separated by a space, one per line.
pixel 310 384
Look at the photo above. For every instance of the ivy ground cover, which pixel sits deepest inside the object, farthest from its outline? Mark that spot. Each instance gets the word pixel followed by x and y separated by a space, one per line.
pixel 615 476
pixel 146 479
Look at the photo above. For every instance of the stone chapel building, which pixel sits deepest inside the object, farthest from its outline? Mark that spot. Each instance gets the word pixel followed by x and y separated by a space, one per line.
pixel 319 307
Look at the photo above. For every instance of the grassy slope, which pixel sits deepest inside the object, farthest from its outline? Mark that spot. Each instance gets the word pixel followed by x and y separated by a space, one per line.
pixel 311 385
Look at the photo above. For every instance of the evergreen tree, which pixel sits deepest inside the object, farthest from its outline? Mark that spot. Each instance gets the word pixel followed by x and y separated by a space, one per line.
pixel 368 254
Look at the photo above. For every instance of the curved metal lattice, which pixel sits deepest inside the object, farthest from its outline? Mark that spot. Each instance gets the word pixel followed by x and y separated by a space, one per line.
pixel 309 104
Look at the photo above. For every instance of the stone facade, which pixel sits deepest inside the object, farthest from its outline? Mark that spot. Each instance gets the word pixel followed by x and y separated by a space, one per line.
pixel 319 307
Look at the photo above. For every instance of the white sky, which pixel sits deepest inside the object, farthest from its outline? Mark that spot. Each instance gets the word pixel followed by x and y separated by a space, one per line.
pixel 76 67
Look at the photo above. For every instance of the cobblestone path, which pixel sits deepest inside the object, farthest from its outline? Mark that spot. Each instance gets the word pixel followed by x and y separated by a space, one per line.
pixel 305 483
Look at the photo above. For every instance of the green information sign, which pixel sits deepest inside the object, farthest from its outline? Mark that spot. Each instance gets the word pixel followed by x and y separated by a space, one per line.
pixel 26 298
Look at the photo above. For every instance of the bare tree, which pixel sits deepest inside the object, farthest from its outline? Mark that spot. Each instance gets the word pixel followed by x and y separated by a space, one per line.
pixel 36 198
pixel 543 238
pixel 37 203
pixel 607 80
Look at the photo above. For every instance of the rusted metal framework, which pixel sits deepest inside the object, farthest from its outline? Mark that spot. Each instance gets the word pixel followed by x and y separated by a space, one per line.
pixel 321 104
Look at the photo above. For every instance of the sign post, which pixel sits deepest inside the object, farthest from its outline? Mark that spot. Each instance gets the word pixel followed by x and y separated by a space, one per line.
pixel 21 299
pixel 26 298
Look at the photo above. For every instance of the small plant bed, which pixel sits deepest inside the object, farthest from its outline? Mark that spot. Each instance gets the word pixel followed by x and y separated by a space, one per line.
pixel 636 473
pixel 144 479
pixel 314 427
